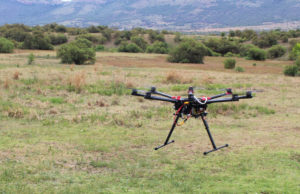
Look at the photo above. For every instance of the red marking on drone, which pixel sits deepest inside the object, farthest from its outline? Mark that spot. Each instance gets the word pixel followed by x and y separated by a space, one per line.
pixel 176 97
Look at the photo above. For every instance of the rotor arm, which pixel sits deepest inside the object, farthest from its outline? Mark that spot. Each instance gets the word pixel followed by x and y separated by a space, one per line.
pixel 150 97
pixel 154 91
pixel 147 95
pixel 234 97
pixel 228 92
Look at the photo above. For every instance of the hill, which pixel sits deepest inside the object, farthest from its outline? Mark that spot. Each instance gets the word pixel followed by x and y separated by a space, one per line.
pixel 166 14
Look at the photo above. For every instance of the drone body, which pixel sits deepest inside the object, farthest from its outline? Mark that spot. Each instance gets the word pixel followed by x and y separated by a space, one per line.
pixel 190 107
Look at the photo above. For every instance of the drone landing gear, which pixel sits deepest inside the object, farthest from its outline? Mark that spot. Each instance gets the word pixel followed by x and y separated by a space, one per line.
pixel 169 135
pixel 210 136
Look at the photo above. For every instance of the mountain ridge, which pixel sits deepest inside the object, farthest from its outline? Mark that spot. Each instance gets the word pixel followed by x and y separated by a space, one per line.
pixel 157 14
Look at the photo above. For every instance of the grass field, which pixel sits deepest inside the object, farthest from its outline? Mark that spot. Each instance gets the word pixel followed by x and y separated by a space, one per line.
pixel 76 129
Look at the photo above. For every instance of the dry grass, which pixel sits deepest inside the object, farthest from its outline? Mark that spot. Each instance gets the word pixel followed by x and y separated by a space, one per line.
pixel 60 141
pixel 77 81
pixel 175 77
pixel 16 75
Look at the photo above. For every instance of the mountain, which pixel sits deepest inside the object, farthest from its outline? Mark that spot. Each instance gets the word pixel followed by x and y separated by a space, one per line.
pixel 159 14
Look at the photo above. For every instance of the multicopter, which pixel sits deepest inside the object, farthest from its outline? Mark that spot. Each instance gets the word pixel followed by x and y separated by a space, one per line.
pixel 190 107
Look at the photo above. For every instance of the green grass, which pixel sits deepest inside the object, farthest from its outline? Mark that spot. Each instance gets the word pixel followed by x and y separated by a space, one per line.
pixel 55 139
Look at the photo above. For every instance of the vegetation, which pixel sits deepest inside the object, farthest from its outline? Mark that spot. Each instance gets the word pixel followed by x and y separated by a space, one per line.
pixel 130 48
pixel 257 54
pixel 158 47
pixel 78 52
pixel 75 129
pixel 276 51
pixel 239 69
pixel 58 39
pixel 291 70
pixel 188 51
pixel 30 59
pixel 229 63
pixel 6 46
pixel 37 40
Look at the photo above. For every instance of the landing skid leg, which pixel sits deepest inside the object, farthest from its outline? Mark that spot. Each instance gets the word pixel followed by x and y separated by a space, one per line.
pixel 169 135
pixel 215 148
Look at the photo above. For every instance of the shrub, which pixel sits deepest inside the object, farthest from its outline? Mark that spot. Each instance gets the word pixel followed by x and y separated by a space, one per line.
pixel 296 50
pixel 78 52
pixel 229 54
pixel 257 54
pixel 156 36
pixel 188 51
pixel 92 38
pixel 177 37
pixel 239 69
pixel 30 59
pixel 130 48
pixel 222 46
pixel 158 47
pixel 229 63
pixel 6 46
pixel 139 41
pixel 266 39
pixel 37 41
pixel 291 70
pixel 297 62
pixel 99 48
pixel 276 51
pixel 60 28
pixel 244 49
pixel 58 39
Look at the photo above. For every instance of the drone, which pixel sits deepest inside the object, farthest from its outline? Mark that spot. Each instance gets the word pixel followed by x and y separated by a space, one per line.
pixel 190 107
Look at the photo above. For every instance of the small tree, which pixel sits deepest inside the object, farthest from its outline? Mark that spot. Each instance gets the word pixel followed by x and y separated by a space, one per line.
pixel 78 52
pixel 296 50
pixel 257 54
pixel 139 41
pixel 229 63
pixel 291 70
pixel 158 47
pixel 6 46
pixel 37 41
pixel 58 39
pixel 297 62
pixel 30 59
pixel 188 51
pixel 276 51
pixel 129 48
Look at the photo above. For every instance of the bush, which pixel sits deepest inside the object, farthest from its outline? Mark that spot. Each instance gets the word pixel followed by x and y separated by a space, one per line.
pixel 239 69
pixel 99 48
pixel 276 51
pixel 129 48
pixel 58 39
pixel 297 62
pixel 37 41
pixel 266 39
pixel 156 36
pixel 291 70
pixel 158 47
pixel 78 52
pixel 139 41
pixel 222 46
pixel 30 59
pixel 229 63
pixel 296 50
pixel 92 38
pixel 257 54
pixel 6 46
pixel 188 51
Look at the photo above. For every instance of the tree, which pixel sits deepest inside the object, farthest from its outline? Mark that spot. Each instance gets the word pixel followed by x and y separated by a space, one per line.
pixel 6 46
pixel 257 54
pixel 158 47
pixel 229 63
pixel 296 50
pixel 266 39
pixel 78 52
pixel 58 39
pixel 37 41
pixel 188 51
pixel 129 48
pixel 276 51
pixel 139 41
